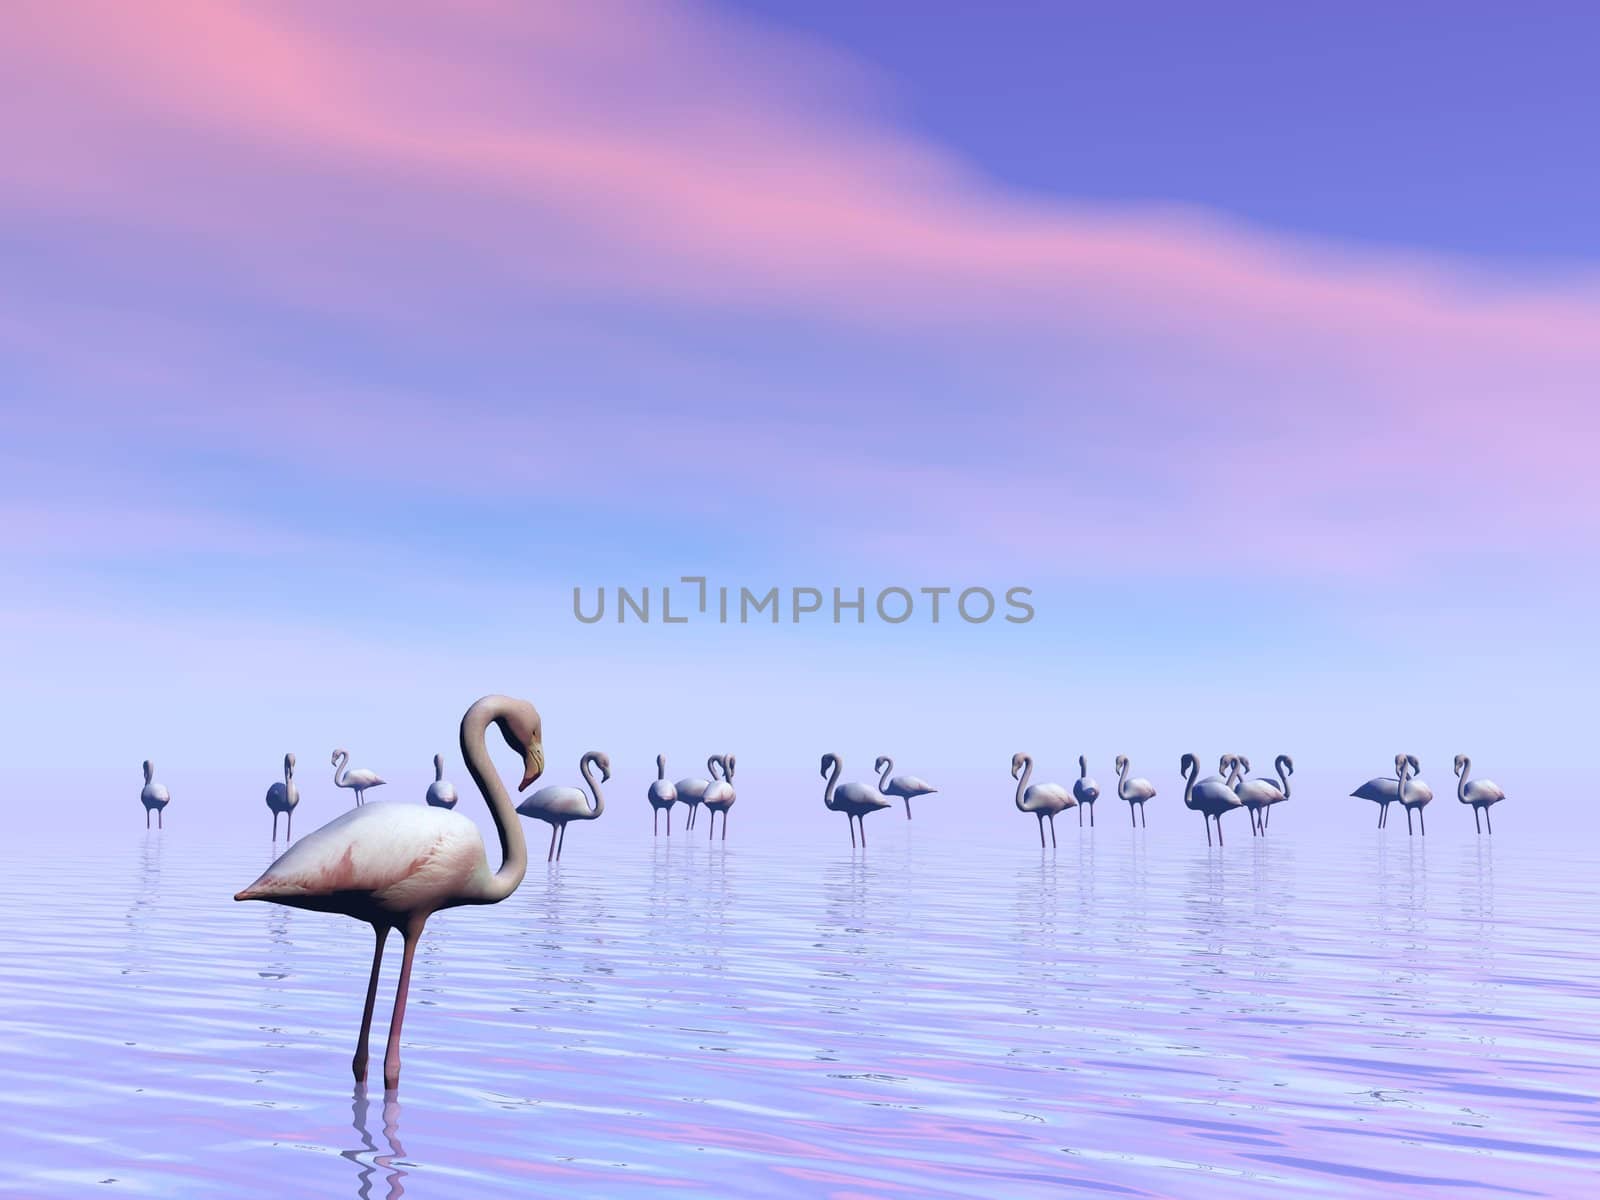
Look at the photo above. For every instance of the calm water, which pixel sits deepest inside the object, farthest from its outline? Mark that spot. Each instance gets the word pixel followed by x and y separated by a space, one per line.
pixel 943 1015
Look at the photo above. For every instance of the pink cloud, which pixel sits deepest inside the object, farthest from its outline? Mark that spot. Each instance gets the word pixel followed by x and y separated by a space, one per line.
pixel 427 175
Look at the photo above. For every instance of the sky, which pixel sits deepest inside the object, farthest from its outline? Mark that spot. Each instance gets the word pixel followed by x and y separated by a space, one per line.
pixel 1260 346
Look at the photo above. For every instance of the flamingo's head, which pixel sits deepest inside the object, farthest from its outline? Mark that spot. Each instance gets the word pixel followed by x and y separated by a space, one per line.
pixel 1461 761
pixel 600 759
pixel 828 761
pixel 148 770
pixel 1018 761
pixel 337 755
pixel 288 761
pixel 727 765
pixel 878 765
pixel 1189 763
pixel 1122 763
pixel 1285 764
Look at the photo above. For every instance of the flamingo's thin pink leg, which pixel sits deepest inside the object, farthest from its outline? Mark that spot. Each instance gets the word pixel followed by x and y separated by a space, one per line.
pixel 359 1063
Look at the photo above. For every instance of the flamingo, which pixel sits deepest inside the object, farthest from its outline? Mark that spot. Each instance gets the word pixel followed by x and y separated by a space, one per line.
pixel 558 805
pixel 1134 791
pixel 1209 797
pixel 902 786
pixel 1042 799
pixel 855 800
pixel 1382 790
pixel 360 779
pixel 282 797
pixel 441 792
pixel 1085 791
pixel 395 865
pixel 663 795
pixel 719 798
pixel 1259 795
pixel 1414 794
pixel 1480 793
pixel 692 791
pixel 153 796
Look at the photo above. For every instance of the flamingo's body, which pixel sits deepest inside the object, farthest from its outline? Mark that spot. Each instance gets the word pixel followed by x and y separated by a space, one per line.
pixel 1209 797
pixel 692 792
pixel 663 796
pixel 1259 795
pixel 153 796
pixel 441 792
pixel 902 787
pixel 1085 791
pixel 1041 799
pixel 719 798
pixel 283 797
pixel 1480 793
pixel 1134 791
pixel 558 805
pixel 854 800
pixel 358 780
pixel 395 865
pixel 1384 790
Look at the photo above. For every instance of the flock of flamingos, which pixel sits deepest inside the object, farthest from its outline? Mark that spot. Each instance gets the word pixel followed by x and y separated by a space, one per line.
pixel 394 865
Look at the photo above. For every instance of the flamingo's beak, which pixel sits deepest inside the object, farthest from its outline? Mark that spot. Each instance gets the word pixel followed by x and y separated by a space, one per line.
pixel 532 765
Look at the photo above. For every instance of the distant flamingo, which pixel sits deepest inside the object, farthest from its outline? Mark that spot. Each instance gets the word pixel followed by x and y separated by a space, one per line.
pixel 1085 791
pixel 153 796
pixel 282 797
pixel 692 791
pixel 1414 794
pixel 719 798
pixel 1209 797
pixel 1042 799
pixel 903 787
pixel 359 780
pixel 662 796
pixel 1134 791
pixel 395 865
pixel 854 800
pixel 1259 795
pixel 441 792
pixel 1382 790
pixel 1480 793
pixel 558 805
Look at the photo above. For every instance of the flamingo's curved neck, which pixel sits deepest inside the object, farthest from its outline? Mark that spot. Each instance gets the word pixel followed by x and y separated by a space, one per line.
pixel 1122 779
pixel 833 780
pixel 1235 768
pixel 149 772
pixel 342 759
pixel 1461 781
pixel 1282 763
pixel 1191 773
pixel 883 778
pixel 594 785
pixel 438 768
pixel 661 766
pixel 1083 767
pixel 1022 780
pixel 513 850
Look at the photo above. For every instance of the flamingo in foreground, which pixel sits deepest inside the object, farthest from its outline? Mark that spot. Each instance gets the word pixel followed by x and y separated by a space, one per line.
pixel 153 796
pixel 441 792
pixel 1042 799
pixel 692 791
pixel 1085 791
pixel 359 780
pixel 1209 797
pixel 719 798
pixel 282 797
pixel 1414 794
pixel 662 796
pixel 1134 791
pixel 558 805
pixel 903 787
pixel 1259 795
pixel 1480 793
pixel 395 865
pixel 854 800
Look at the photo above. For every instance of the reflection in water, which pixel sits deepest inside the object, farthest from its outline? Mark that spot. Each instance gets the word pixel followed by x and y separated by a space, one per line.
pixel 366 1156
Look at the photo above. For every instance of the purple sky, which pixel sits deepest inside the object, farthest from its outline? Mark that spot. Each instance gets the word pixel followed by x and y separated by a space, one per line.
pixel 335 355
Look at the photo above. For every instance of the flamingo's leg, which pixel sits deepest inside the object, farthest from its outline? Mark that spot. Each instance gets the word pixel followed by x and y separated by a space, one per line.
pixel 1476 824
pixel 288 833
pixel 562 841
pixel 655 823
pixel 713 829
pixel 1144 821
pixel 863 820
pixel 1091 816
pixel 908 812
pixel 1080 815
pixel 1422 822
pixel 391 1056
pixel 669 822
pixel 1133 814
pixel 1052 831
pixel 359 1063
pixel 1207 820
pixel 1410 830
pixel 274 826
pixel 851 821
pixel 1489 820
pixel 551 854
pixel 161 818
pixel 1219 829
pixel 724 824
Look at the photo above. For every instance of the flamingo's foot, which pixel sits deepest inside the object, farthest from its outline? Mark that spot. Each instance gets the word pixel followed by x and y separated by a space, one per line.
pixel 359 1066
